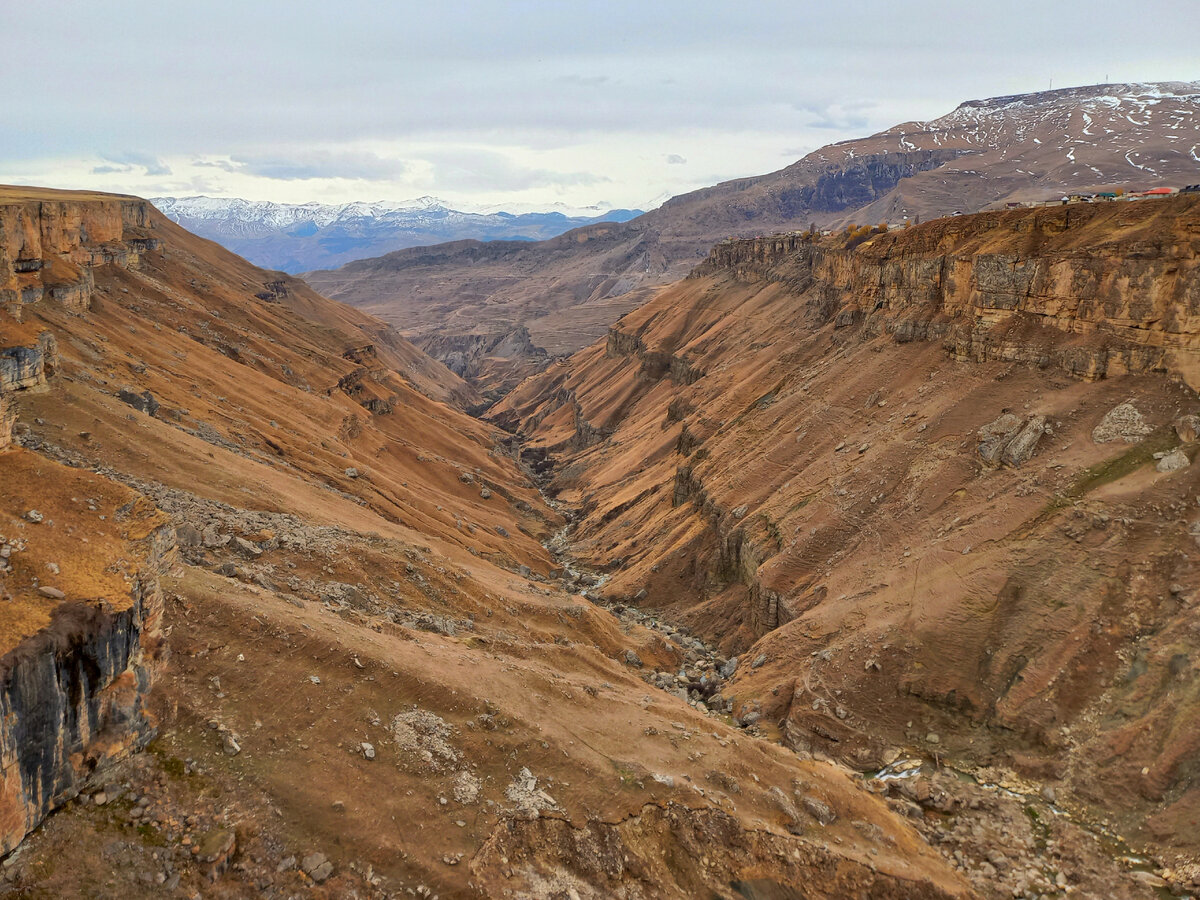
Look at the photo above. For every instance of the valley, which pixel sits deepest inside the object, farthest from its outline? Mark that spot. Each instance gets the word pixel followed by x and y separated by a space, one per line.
pixel 855 562
pixel 356 671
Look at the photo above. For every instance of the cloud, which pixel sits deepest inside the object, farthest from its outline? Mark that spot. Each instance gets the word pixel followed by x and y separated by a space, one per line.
pixel 468 169
pixel 674 159
pixel 128 161
pixel 583 80
pixel 847 117
pixel 311 164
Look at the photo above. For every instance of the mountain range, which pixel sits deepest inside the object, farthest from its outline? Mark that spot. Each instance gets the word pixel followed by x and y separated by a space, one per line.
pixel 985 153
pixel 296 237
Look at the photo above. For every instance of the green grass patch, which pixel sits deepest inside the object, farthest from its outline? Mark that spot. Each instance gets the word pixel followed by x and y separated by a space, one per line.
pixel 1161 440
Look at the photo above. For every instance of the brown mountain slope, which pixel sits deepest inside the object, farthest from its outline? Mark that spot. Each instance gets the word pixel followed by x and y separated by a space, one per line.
pixel 891 476
pixel 567 290
pixel 364 679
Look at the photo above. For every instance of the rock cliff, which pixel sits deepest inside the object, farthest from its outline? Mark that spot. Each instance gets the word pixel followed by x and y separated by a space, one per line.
pixel 82 633
pixel 50 245
pixel 1122 278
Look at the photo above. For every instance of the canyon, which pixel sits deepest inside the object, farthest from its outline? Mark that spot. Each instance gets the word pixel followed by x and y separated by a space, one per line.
pixel 934 482
pixel 283 619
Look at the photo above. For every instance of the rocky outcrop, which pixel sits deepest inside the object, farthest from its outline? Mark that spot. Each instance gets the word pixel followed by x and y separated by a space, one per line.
pixel 27 365
pixel 1120 278
pixel 1010 439
pixel 49 247
pixel 73 691
pixel 496 360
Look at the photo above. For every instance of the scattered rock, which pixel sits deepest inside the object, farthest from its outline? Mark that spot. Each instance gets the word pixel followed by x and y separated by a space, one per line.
pixel 34 516
pixel 759 661
pixel 368 750
pixel 351 472
pixel 1121 423
pixel 51 592
pixel 632 659
pixel 485 494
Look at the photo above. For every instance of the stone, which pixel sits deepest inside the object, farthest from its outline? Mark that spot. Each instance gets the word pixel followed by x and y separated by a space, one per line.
pixel 818 810
pixel 728 667
pixel 759 661
pixel 632 659
pixel 933 738
pixel 215 850
pixel 51 592
pixel 34 516
pixel 1149 879
pixel 144 402
pixel 368 750
pixel 502 531
pixel 317 867
pixel 232 747
pixel 246 548
pixel 485 494
pixel 1174 461
pixel 1188 428
pixel 188 535
pixel 351 472
pixel 1022 446
pixel 1121 423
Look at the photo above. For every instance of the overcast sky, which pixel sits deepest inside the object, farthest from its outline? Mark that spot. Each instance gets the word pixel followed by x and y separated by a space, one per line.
pixel 519 104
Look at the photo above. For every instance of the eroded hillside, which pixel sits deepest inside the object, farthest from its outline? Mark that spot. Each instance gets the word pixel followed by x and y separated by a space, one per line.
pixel 933 487
pixel 354 667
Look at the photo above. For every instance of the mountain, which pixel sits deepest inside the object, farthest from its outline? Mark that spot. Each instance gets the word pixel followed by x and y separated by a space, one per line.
pixel 935 489
pixel 297 237
pixel 982 155
pixel 278 620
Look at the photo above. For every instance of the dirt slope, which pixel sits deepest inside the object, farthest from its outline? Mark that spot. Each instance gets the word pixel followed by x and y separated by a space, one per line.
pixel 889 475
pixel 374 685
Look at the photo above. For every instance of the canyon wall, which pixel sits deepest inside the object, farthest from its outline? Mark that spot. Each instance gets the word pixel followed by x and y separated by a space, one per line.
pixel 935 484
pixel 1121 276
pixel 48 247
pixel 82 647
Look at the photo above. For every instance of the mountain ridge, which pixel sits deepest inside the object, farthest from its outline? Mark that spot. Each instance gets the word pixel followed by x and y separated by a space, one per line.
pixel 294 237
pixel 1032 146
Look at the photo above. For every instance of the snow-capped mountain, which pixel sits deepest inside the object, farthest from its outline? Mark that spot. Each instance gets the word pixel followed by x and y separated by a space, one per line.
pixel 299 237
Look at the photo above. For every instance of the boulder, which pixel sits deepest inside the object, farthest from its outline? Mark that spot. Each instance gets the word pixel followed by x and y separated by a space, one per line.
pixel 1188 428
pixel 1173 461
pixel 144 401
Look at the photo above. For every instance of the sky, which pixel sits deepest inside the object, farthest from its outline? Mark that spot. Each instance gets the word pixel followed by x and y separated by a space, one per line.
pixel 519 105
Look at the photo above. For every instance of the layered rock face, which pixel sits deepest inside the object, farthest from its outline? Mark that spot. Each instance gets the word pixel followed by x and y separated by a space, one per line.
pixel 49 245
pixel 82 632
pixel 1120 276
pixel 893 478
